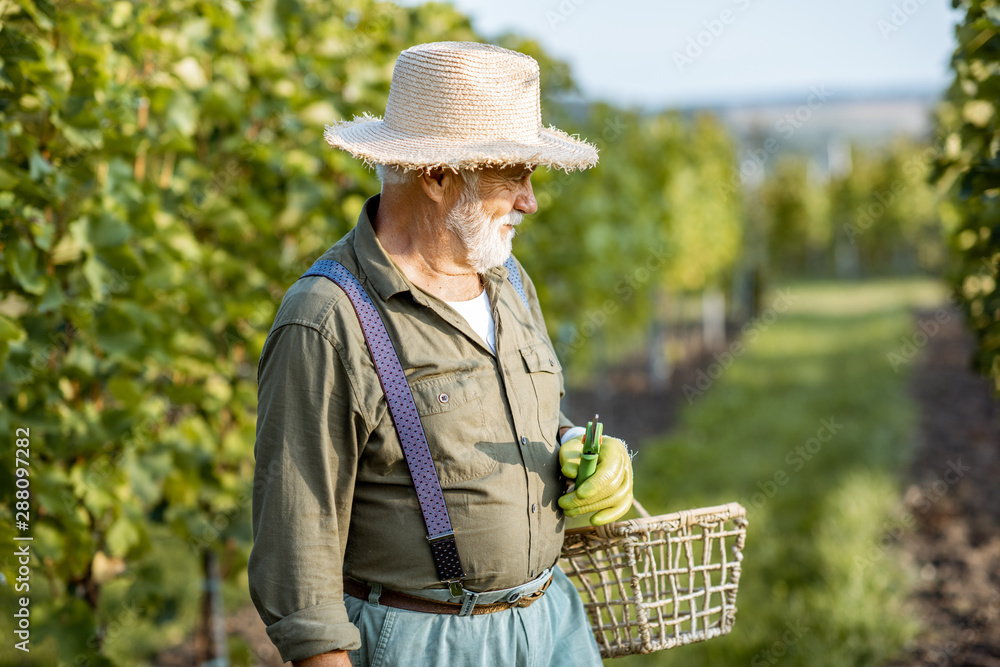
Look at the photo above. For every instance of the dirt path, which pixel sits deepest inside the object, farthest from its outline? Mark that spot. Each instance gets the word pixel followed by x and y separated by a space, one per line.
pixel 955 499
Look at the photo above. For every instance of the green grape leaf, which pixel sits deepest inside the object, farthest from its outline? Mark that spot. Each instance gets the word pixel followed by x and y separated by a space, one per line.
pixel 123 536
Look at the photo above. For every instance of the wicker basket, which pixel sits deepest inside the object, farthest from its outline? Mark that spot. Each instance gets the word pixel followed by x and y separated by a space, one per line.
pixel 654 583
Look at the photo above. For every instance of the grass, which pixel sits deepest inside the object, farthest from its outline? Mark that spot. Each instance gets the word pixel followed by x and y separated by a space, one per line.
pixel 810 428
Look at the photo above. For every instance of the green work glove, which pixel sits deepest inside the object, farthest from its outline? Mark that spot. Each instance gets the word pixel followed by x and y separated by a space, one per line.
pixel 608 492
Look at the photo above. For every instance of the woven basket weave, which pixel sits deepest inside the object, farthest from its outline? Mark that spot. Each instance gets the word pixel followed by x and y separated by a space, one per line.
pixel 654 583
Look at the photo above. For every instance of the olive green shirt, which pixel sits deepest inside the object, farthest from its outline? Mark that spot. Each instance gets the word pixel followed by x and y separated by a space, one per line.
pixel 332 492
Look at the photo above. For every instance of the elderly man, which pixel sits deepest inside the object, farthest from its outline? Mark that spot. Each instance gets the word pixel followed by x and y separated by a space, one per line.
pixel 411 457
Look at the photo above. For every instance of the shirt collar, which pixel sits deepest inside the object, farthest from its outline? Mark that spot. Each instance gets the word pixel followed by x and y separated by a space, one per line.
pixel 383 274
pixel 376 264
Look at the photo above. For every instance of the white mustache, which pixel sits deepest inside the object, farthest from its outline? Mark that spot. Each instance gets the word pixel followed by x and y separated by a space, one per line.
pixel 513 218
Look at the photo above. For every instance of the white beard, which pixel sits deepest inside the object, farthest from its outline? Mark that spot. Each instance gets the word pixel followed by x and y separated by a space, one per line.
pixel 487 241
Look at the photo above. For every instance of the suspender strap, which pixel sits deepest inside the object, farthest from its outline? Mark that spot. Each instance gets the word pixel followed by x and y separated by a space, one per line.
pixel 405 418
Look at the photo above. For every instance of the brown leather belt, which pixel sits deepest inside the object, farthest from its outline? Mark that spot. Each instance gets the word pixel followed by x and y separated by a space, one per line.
pixel 399 600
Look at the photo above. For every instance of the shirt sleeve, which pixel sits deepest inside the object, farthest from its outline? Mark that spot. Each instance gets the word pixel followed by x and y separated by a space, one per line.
pixel 306 462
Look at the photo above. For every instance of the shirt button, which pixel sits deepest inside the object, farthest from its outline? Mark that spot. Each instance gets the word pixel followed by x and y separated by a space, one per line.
pixel 443 398
pixel 534 508
pixel 532 575
pixel 551 363
pixel 524 440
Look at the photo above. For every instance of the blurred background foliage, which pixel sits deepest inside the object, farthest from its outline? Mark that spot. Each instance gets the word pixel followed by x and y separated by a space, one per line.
pixel 967 162
pixel 163 180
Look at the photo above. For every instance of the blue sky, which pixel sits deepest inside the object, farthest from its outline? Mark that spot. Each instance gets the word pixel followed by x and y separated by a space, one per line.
pixel 674 52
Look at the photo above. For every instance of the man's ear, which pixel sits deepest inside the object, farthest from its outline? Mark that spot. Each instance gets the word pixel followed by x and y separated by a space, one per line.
pixel 437 182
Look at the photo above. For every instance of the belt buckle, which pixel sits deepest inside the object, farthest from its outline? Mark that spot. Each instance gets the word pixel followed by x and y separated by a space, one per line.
pixel 525 600
pixel 515 598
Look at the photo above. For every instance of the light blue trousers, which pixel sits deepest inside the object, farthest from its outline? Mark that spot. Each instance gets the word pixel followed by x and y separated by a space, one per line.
pixel 553 631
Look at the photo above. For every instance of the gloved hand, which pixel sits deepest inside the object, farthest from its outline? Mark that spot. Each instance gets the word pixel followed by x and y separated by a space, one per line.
pixel 608 490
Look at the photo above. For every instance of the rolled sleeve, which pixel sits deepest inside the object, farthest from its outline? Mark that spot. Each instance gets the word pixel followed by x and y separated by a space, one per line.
pixel 306 463
pixel 308 632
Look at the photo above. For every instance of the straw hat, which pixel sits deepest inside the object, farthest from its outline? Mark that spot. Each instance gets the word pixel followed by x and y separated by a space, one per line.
pixel 461 105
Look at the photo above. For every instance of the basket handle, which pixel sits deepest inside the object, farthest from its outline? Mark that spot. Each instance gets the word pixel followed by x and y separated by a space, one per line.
pixel 639 508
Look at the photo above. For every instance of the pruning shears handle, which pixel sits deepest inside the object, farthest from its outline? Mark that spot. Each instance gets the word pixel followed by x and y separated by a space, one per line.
pixel 591 450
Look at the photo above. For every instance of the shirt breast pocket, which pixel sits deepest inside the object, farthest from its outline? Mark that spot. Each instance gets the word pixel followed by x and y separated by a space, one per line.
pixel 546 378
pixel 451 412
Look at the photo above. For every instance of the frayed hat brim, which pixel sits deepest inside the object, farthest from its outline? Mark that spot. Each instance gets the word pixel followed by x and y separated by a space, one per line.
pixel 368 138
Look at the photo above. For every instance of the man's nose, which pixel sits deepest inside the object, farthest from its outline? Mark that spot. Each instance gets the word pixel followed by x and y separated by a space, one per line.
pixel 525 202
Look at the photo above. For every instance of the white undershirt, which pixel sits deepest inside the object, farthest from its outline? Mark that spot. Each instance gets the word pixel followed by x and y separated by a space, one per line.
pixel 479 315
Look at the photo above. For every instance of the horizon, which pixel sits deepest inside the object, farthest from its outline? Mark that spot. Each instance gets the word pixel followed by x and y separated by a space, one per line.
pixel 655 55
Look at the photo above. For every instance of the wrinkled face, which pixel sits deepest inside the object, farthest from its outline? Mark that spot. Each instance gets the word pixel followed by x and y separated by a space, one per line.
pixel 488 211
